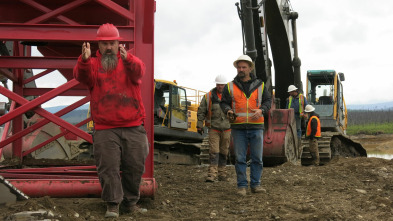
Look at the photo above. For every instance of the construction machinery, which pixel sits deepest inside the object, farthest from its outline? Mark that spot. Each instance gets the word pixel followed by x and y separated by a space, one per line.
pixel 269 29
pixel 325 93
pixel 176 139
pixel 42 158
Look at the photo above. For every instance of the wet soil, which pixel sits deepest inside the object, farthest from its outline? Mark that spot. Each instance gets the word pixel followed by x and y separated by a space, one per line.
pixel 344 189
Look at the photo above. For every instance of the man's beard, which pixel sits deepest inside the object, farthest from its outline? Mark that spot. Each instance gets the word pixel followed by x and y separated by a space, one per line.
pixel 241 74
pixel 109 62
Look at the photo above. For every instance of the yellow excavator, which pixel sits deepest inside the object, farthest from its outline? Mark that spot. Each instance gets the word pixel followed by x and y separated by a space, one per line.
pixel 176 139
pixel 326 94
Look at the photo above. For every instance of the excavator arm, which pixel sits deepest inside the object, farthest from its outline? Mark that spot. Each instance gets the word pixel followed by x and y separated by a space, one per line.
pixel 270 24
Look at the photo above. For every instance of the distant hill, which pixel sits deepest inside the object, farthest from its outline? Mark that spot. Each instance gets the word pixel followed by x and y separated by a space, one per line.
pixel 74 116
pixel 378 106
pixel 57 108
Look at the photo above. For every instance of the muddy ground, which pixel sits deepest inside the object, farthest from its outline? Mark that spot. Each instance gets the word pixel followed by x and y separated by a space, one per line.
pixel 344 189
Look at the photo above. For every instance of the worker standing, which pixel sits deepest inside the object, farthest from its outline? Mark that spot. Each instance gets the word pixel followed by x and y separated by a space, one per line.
pixel 114 79
pixel 245 100
pixel 297 102
pixel 313 133
pixel 209 111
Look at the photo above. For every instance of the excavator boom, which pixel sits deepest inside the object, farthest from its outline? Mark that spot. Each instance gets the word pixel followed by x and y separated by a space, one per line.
pixel 271 25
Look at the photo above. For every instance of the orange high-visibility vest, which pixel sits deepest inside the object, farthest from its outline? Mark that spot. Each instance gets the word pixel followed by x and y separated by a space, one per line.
pixel 241 105
pixel 301 104
pixel 308 132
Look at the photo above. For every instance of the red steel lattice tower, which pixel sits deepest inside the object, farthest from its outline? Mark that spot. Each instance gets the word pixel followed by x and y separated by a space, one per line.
pixel 58 29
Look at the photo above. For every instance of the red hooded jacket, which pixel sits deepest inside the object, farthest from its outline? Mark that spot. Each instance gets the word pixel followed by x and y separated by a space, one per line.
pixel 116 99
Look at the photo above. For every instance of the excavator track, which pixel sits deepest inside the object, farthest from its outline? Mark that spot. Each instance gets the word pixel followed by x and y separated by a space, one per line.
pixel 330 145
pixel 204 155
pixel 176 152
pixel 325 153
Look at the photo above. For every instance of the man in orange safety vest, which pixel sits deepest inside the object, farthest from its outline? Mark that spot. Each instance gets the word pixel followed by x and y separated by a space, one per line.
pixel 245 100
pixel 313 133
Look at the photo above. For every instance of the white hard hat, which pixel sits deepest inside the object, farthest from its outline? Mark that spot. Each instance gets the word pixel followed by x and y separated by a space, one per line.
pixel 220 79
pixel 292 88
pixel 244 58
pixel 309 108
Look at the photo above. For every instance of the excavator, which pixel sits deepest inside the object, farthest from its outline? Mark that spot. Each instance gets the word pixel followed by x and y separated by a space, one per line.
pixel 269 28
pixel 325 92
pixel 176 139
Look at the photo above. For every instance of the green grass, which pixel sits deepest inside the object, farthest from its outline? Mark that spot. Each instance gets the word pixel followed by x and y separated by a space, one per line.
pixel 385 128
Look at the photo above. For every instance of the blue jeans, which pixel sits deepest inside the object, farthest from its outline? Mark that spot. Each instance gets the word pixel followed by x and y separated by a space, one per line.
pixel 242 140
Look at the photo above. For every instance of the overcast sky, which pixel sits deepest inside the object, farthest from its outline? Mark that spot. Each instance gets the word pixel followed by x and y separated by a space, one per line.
pixel 196 40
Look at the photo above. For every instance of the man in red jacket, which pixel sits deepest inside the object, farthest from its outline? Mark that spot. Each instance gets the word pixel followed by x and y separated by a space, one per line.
pixel 114 79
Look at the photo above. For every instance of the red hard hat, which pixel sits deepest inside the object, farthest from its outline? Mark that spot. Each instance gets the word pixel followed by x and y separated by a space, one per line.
pixel 107 32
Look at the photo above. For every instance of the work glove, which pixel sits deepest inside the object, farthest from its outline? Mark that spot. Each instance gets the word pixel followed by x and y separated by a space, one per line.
pixel 231 116
pixel 200 131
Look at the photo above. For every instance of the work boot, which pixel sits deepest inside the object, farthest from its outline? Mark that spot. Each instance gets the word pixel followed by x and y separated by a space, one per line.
pixel 242 191
pixel 135 209
pixel 315 160
pixel 222 173
pixel 112 210
pixel 257 189
pixel 212 173
pixel 210 179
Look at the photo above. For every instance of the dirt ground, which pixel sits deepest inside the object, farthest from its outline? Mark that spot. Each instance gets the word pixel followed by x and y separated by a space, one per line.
pixel 344 189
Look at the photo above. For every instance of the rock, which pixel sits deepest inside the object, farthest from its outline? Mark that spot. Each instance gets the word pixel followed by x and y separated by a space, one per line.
pixel 361 191
pixel 32 215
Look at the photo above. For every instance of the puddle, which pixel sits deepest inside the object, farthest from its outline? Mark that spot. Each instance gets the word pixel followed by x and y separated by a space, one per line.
pixel 378 155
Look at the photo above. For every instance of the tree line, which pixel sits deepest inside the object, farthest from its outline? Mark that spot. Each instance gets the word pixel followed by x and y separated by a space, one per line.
pixel 360 117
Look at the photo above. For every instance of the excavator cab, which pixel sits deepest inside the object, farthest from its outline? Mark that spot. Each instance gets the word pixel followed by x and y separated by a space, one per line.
pixel 325 93
pixel 176 139
pixel 170 105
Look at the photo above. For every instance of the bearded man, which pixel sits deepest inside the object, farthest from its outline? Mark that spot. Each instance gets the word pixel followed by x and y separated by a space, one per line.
pixel 114 78
pixel 247 98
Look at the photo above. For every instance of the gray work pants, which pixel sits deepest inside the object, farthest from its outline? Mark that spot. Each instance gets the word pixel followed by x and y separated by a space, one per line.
pixel 120 149
pixel 298 126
